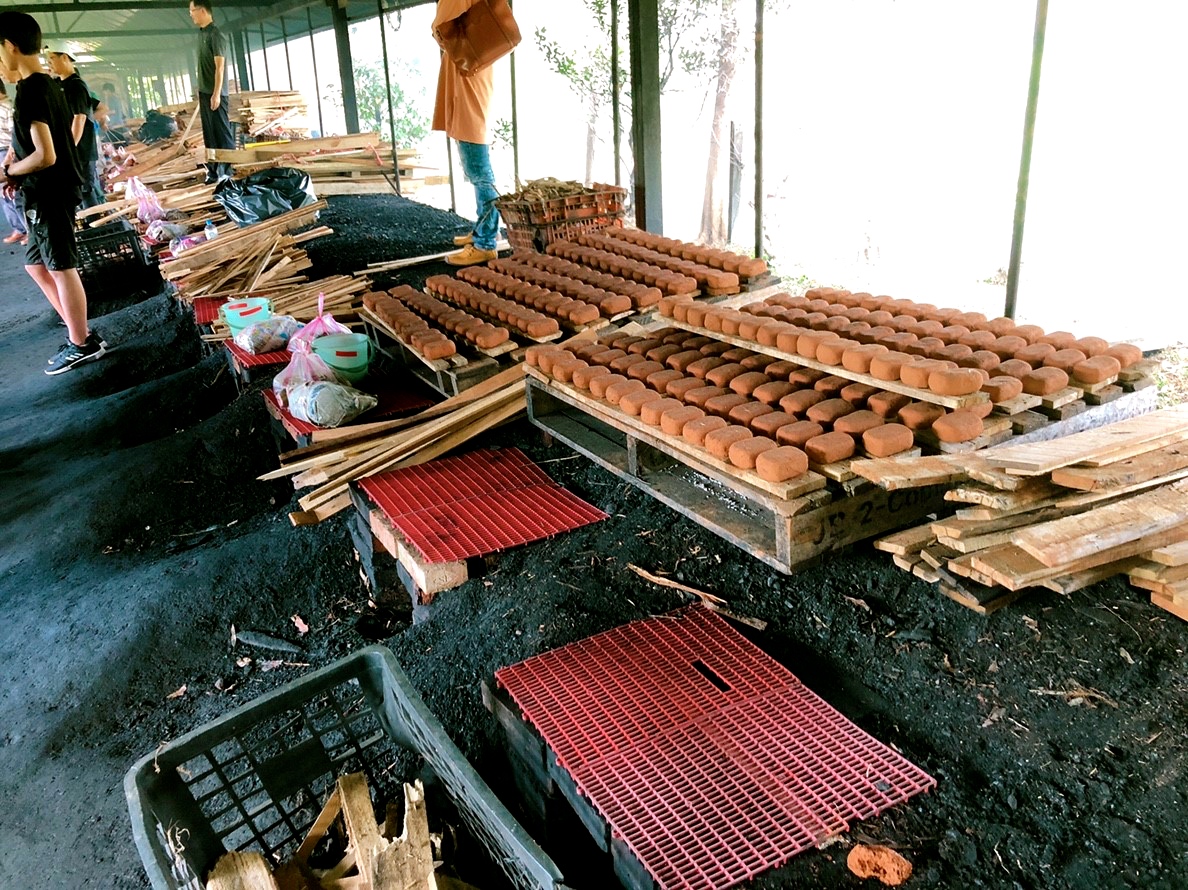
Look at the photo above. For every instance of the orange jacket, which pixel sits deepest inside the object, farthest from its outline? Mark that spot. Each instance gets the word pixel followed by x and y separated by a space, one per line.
pixel 463 103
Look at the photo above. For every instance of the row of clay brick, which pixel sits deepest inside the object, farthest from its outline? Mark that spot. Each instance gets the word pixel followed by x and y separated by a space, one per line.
pixel 672 358
pixel 541 299
pixel 705 276
pixel 528 321
pixel 667 282
pixel 946 369
pixel 642 296
pixel 728 261
pixel 407 325
pixel 474 330
pixel 609 303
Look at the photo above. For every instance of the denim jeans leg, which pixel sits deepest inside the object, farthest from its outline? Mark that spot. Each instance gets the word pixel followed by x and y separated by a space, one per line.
pixel 476 167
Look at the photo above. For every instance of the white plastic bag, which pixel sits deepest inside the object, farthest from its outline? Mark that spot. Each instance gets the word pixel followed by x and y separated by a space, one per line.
pixel 328 404
pixel 304 367
pixel 270 335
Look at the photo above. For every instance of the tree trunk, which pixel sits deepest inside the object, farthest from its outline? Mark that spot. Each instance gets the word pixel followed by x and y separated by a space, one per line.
pixel 591 135
pixel 713 207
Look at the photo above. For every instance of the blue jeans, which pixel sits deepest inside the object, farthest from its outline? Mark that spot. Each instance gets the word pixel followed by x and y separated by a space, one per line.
pixel 476 167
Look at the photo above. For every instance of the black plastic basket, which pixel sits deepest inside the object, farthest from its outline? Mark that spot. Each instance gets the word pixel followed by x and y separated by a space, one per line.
pixel 258 777
pixel 111 261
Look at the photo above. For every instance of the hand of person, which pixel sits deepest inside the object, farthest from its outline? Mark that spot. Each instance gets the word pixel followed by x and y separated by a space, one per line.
pixel 9 157
pixel 215 101
pixel 10 189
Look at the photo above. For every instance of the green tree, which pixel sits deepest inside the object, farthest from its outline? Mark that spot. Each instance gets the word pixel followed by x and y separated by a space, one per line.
pixel 371 96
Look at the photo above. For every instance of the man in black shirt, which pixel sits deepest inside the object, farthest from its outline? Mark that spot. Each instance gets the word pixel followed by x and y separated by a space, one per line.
pixel 212 86
pixel 82 105
pixel 43 164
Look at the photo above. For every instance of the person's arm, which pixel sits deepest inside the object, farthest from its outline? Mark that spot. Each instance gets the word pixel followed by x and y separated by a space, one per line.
pixel 216 95
pixel 77 124
pixel 43 154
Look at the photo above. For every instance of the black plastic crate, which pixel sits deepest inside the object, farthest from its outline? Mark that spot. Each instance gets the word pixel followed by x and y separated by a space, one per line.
pixel 111 261
pixel 257 777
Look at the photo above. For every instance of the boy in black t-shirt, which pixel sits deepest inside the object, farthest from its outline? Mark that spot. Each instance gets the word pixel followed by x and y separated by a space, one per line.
pixel 43 164
pixel 82 125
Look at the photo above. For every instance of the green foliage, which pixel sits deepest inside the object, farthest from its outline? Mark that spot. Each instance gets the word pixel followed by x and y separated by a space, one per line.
pixel 411 124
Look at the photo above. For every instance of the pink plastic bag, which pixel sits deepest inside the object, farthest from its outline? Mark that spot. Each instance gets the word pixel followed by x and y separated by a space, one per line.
pixel 304 367
pixel 321 325
pixel 148 207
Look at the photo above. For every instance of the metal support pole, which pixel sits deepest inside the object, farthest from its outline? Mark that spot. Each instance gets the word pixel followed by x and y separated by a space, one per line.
pixel 285 38
pixel 759 128
pixel 1037 57
pixel 313 54
pixel 643 21
pixel 346 72
pixel 264 53
pixel 242 79
pixel 383 25
pixel 247 49
pixel 515 121
pixel 616 111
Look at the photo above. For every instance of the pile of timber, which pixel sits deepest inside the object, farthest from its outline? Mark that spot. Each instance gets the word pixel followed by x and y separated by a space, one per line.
pixel 167 161
pixel 241 260
pixel 360 163
pixel 1060 515
pixel 270 113
pixel 377 855
pixel 337 457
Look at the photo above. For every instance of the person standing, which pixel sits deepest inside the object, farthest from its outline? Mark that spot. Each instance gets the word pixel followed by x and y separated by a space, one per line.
pixel 461 110
pixel 82 105
pixel 14 214
pixel 115 106
pixel 43 163
pixel 212 87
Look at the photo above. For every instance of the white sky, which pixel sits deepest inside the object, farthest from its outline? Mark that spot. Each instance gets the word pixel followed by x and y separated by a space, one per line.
pixel 893 131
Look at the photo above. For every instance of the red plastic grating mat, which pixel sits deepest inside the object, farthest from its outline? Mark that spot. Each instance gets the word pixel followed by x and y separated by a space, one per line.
pixel 710 760
pixel 206 309
pixel 295 426
pixel 246 360
pixel 477 503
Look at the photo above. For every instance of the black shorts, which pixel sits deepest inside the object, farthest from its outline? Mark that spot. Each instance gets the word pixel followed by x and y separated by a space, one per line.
pixel 51 237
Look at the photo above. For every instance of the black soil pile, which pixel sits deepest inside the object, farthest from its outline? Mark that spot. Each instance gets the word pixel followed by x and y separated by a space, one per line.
pixel 136 536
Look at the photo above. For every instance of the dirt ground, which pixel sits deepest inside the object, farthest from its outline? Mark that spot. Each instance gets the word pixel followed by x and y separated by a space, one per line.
pixel 135 536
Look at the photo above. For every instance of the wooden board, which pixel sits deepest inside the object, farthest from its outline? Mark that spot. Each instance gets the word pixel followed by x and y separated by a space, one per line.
pixel 1177 607
pixel 438 364
pixel 698 458
pixel 983 600
pixel 1125 472
pixel 1104 396
pixel 922 395
pixel 1075 537
pixel 430 578
pixel 910 540
pixel 1153 571
pixel 1017 405
pixel 893 473
pixel 1061 398
pixel 1098 447
pixel 1171 554
pixel 995 431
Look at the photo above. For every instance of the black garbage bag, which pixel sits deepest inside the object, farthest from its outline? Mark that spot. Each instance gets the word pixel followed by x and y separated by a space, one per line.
pixel 156 126
pixel 265 194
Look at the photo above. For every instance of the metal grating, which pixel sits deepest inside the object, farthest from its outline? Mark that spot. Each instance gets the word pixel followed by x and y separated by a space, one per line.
pixel 476 503
pixel 206 309
pixel 710 759
pixel 245 359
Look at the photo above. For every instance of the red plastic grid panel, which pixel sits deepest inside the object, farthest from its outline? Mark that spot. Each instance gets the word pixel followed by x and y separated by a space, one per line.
pixel 710 760
pixel 206 309
pixel 294 425
pixel 246 360
pixel 476 503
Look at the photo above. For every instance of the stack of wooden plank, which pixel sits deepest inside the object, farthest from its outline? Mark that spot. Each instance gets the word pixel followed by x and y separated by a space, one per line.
pixel 360 163
pixel 245 259
pixel 338 457
pixel 273 113
pixel 1060 514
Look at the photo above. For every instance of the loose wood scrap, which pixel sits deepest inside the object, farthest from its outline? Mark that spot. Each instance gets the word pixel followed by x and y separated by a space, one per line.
pixel 1040 533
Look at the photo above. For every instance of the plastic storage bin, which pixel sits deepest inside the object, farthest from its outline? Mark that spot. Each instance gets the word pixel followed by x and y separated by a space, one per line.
pixel 111 262
pixel 257 777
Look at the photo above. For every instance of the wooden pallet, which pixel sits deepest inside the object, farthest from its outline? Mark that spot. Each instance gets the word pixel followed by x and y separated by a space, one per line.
pixel 786 532
pixel 447 378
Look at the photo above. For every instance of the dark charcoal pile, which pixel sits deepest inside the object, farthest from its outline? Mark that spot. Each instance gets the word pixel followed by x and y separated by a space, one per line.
pixel 136 536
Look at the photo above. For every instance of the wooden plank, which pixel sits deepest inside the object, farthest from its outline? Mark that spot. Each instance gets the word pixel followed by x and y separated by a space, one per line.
pixel 1174 554
pixel 1096 447
pixel 1017 405
pixel 1067 540
pixel 1153 571
pixel 358 814
pixel 910 540
pixel 1124 472
pixel 430 578
pixel 1037 490
pixel 983 600
pixel 1179 608
pixel 1075 581
pixel 407 863
pixel 922 395
pixel 1014 567
pixel 1066 396
pixel 241 871
pixel 698 458
pixel 895 473
pixel 905 562
pixel 995 431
